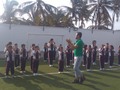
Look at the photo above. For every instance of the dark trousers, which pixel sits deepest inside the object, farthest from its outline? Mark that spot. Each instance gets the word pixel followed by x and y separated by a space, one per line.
pixel 51 57
pixel 69 57
pixel 45 55
pixel 111 60
pixel 17 60
pixel 102 61
pixel 94 57
pixel 61 65
pixel 54 55
pixel 35 66
pixel 31 61
pixel 88 63
pixel 84 59
pixel 107 57
pixel 119 59
pixel 10 66
pixel 23 63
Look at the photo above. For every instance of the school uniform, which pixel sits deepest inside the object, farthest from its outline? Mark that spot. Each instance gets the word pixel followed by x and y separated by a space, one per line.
pixel 89 59
pixel 23 59
pixel 51 54
pixel 84 57
pixel 60 61
pixel 35 64
pixel 45 53
pixel 68 56
pixel 111 54
pixel 106 55
pixel 17 57
pixel 54 53
pixel 94 54
pixel 9 62
pixel 31 57
pixel 118 57
pixel 102 58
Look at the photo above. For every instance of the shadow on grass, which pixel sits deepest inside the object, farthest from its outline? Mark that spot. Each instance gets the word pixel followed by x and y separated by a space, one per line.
pixel 105 73
pixel 22 83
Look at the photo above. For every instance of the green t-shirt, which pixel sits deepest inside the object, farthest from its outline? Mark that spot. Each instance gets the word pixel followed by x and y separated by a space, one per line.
pixel 79 50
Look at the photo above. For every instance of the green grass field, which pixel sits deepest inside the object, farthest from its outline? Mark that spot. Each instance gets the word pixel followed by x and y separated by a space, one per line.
pixel 49 79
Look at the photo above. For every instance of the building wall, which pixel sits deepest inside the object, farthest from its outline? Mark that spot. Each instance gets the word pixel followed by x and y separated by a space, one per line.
pixel 39 35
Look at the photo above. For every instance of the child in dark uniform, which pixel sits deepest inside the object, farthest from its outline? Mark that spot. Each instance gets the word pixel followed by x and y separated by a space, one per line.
pixel 36 58
pixel 23 54
pixel 89 57
pixel 84 55
pixel 60 60
pixel 45 52
pixel 68 55
pixel 51 52
pixel 9 54
pixel 31 57
pixel 119 56
pixel 17 55
pixel 102 57
pixel 106 53
pixel 111 54
pixel 94 52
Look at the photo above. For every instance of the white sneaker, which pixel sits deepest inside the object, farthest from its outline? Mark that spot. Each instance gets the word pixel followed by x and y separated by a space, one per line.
pixel 50 65
pixel 110 66
pixel 88 70
pixel 94 63
pixel 21 71
pixel 6 76
pixel 83 65
pixel 59 72
pixel 106 63
pixel 34 74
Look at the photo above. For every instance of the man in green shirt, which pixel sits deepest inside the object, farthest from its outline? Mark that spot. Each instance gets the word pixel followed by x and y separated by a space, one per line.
pixel 78 53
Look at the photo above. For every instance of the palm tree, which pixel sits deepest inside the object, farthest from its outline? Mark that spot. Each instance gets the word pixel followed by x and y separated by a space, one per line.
pixel 9 11
pixel 80 12
pixel 39 13
pixel 116 11
pixel 100 15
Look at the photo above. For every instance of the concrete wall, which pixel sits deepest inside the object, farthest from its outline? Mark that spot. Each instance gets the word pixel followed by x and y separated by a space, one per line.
pixel 39 35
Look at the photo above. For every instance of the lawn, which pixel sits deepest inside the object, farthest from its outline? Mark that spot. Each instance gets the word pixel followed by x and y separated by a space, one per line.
pixel 49 79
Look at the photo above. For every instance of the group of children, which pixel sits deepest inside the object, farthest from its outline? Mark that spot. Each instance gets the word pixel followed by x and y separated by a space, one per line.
pixel 17 57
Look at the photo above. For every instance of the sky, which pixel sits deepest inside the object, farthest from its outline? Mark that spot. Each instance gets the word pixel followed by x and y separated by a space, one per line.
pixel 55 3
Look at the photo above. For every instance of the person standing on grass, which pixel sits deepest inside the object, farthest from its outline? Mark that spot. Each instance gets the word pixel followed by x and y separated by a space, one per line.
pixel 111 55
pixel 17 55
pixel 94 52
pixel 9 55
pixel 23 55
pixel 68 52
pixel 45 50
pixel 119 56
pixel 78 53
pixel 84 55
pixel 60 60
pixel 102 57
pixel 107 47
pixel 31 57
pixel 36 57
pixel 51 46
pixel 89 58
